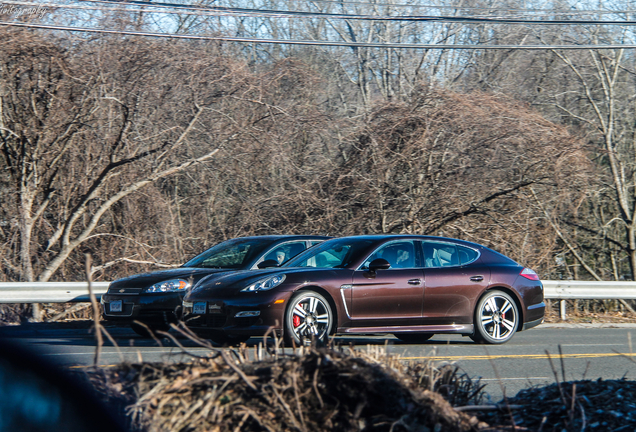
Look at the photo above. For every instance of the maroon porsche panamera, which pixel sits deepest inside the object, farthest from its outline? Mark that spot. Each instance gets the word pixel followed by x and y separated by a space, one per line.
pixel 408 285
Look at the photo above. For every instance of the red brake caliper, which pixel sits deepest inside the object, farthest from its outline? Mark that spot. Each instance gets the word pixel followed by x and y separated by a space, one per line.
pixel 296 320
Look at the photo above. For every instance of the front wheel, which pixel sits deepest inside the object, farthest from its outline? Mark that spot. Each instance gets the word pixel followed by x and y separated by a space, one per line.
pixel 308 317
pixel 496 318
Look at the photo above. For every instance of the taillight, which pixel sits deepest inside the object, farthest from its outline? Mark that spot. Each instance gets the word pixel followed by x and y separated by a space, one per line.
pixel 529 274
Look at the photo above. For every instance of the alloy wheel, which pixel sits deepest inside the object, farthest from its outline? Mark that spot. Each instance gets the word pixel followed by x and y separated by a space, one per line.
pixel 498 317
pixel 309 317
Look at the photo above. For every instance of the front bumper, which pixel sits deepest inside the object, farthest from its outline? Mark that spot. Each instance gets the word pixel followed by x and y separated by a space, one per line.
pixel 164 308
pixel 253 314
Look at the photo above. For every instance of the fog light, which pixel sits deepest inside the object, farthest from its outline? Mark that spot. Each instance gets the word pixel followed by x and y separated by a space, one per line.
pixel 247 314
pixel 187 304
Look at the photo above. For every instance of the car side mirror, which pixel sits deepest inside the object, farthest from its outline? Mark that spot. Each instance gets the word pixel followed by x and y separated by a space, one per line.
pixel 267 263
pixel 379 264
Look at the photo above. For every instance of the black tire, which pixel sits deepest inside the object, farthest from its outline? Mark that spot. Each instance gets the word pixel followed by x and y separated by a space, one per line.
pixel 149 329
pixel 414 337
pixel 496 318
pixel 308 317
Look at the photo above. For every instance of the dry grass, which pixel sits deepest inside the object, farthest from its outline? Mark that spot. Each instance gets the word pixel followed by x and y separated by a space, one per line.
pixel 312 389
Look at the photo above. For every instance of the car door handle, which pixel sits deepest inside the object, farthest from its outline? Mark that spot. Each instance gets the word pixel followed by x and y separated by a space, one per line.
pixel 476 278
pixel 415 281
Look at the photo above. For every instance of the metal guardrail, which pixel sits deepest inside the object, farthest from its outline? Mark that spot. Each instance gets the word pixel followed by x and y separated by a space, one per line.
pixel 49 292
pixel 566 290
pixel 587 290
pixel 62 292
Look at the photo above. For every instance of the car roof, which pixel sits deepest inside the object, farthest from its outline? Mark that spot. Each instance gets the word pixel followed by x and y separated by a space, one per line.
pixel 377 237
pixel 275 237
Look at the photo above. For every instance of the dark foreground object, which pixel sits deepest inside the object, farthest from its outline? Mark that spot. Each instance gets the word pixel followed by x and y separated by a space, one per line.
pixel 36 396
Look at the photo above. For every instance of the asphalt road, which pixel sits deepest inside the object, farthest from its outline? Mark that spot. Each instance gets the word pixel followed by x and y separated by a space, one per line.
pixel 531 358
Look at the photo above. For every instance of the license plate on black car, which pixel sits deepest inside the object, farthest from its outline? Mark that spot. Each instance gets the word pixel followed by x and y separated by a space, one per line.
pixel 116 306
pixel 199 308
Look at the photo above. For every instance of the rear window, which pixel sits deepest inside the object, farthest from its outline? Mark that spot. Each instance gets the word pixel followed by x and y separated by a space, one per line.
pixel 467 255
pixel 440 254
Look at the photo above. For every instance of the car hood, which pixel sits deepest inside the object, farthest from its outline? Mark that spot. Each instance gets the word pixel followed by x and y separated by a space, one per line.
pixel 145 280
pixel 227 284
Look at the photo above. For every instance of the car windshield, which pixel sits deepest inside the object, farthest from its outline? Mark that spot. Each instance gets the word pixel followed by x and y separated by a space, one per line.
pixel 337 253
pixel 232 254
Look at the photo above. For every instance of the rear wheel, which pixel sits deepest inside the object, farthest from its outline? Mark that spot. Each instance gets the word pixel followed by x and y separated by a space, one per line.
pixel 308 317
pixel 496 318
pixel 414 337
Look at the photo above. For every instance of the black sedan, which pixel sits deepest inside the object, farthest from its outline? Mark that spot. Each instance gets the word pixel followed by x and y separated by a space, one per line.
pixel 408 285
pixel 154 299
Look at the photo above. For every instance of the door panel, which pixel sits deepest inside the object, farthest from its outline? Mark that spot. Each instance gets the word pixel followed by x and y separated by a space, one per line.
pixel 387 294
pixel 450 293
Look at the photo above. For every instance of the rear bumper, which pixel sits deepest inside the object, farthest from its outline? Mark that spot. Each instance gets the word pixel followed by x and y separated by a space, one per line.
pixel 530 324
pixel 534 315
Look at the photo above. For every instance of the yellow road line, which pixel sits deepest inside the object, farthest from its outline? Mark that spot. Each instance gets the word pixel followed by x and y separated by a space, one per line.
pixel 519 356
pixel 468 358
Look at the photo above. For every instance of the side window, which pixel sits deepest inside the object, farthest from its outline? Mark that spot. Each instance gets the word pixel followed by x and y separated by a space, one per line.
pixel 285 251
pixel 440 254
pixel 398 254
pixel 467 255
pixel 329 258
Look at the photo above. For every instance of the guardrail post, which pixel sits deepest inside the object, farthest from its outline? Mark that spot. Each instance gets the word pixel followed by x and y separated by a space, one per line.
pixel 562 309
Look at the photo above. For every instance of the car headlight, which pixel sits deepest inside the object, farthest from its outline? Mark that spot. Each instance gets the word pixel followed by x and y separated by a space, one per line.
pixel 265 284
pixel 172 285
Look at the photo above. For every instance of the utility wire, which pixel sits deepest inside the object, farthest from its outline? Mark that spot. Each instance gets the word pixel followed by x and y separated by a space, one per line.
pixel 319 43
pixel 245 12
pixel 287 14
pixel 430 6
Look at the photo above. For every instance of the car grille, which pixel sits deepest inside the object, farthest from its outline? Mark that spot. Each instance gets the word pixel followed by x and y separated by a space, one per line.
pixel 208 320
pixel 246 321
pixel 125 291
pixel 216 320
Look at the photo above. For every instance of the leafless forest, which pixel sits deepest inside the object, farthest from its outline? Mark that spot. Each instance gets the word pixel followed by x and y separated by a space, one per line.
pixel 144 151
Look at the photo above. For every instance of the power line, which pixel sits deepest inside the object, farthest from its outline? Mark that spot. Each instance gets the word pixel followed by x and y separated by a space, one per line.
pixel 430 6
pixel 319 43
pixel 246 12
pixel 460 19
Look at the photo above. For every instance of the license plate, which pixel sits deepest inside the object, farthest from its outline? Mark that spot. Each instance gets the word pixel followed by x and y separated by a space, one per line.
pixel 115 306
pixel 199 308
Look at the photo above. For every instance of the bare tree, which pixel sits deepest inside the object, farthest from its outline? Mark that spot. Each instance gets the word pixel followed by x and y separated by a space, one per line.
pixel 456 164
pixel 84 126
